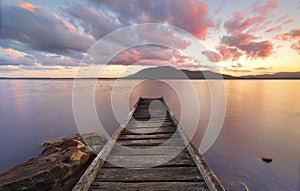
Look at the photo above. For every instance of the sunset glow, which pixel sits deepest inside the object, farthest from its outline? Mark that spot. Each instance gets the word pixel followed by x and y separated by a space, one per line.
pixel 49 39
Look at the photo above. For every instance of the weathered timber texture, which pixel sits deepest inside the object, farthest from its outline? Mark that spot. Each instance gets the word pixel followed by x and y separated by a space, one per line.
pixel 150 153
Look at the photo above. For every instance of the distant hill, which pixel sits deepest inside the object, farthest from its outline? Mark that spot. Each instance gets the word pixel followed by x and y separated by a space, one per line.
pixel 168 72
pixel 280 75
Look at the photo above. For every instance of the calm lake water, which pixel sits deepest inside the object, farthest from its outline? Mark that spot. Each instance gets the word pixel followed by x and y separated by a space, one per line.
pixel 262 119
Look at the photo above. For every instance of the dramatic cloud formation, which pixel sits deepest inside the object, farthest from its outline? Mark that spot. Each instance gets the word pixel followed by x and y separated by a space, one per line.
pixel 29 28
pixel 240 28
pixel 192 17
pixel 153 56
pixel 93 22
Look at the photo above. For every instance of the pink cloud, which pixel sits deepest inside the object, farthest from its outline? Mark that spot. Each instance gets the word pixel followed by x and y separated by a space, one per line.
pixel 126 57
pixel 193 16
pixel 137 55
pixel 269 6
pixel 281 18
pixel 284 36
pixel 212 56
pixel 296 46
pixel 70 27
pixel 12 57
pixel 293 34
pixel 190 15
pixel 229 53
pixel 239 23
pixel 256 50
pixel 287 21
pixel 245 43
pixel 27 6
pixel 13 53
pixel 273 29
pixel 239 39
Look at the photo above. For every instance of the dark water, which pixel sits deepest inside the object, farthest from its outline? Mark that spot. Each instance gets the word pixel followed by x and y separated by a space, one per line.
pixel 262 119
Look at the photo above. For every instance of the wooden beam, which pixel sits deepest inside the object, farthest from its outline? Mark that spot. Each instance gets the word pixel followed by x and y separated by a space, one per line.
pixel 209 176
pixel 91 172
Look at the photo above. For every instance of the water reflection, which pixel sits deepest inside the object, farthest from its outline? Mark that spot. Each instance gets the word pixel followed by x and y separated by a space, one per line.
pixel 257 124
pixel 262 118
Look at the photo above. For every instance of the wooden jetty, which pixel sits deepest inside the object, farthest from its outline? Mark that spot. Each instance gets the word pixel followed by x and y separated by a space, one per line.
pixel 151 152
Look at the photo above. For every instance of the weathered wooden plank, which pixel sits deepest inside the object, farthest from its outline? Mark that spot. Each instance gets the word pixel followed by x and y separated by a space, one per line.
pixel 145 125
pixel 148 115
pixel 152 109
pixel 147 150
pixel 151 121
pixel 146 161
pixel 149 130
pixel 153 124
pixel 149 186
pixel 153 117
pixel 190 174
pixel 151 142
pixel 149 136
pixel 131 127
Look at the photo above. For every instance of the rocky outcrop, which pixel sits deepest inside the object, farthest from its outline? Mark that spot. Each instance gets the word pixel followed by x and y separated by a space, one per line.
pixel 58 167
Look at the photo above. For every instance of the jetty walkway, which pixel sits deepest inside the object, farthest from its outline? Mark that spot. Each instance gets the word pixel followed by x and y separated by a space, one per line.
pixel 151 152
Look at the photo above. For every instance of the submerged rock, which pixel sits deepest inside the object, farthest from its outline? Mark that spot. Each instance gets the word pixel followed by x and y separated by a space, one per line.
pixel 267 159
pixel 58 167
pixel 236 186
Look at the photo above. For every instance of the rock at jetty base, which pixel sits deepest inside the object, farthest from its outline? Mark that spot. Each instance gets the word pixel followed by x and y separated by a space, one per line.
pixel 58 167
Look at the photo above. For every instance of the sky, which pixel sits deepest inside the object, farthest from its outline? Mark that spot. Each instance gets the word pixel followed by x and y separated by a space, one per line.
pixel 57 38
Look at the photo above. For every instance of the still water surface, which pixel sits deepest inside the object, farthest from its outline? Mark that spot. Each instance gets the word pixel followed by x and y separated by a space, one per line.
pixel 262 119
